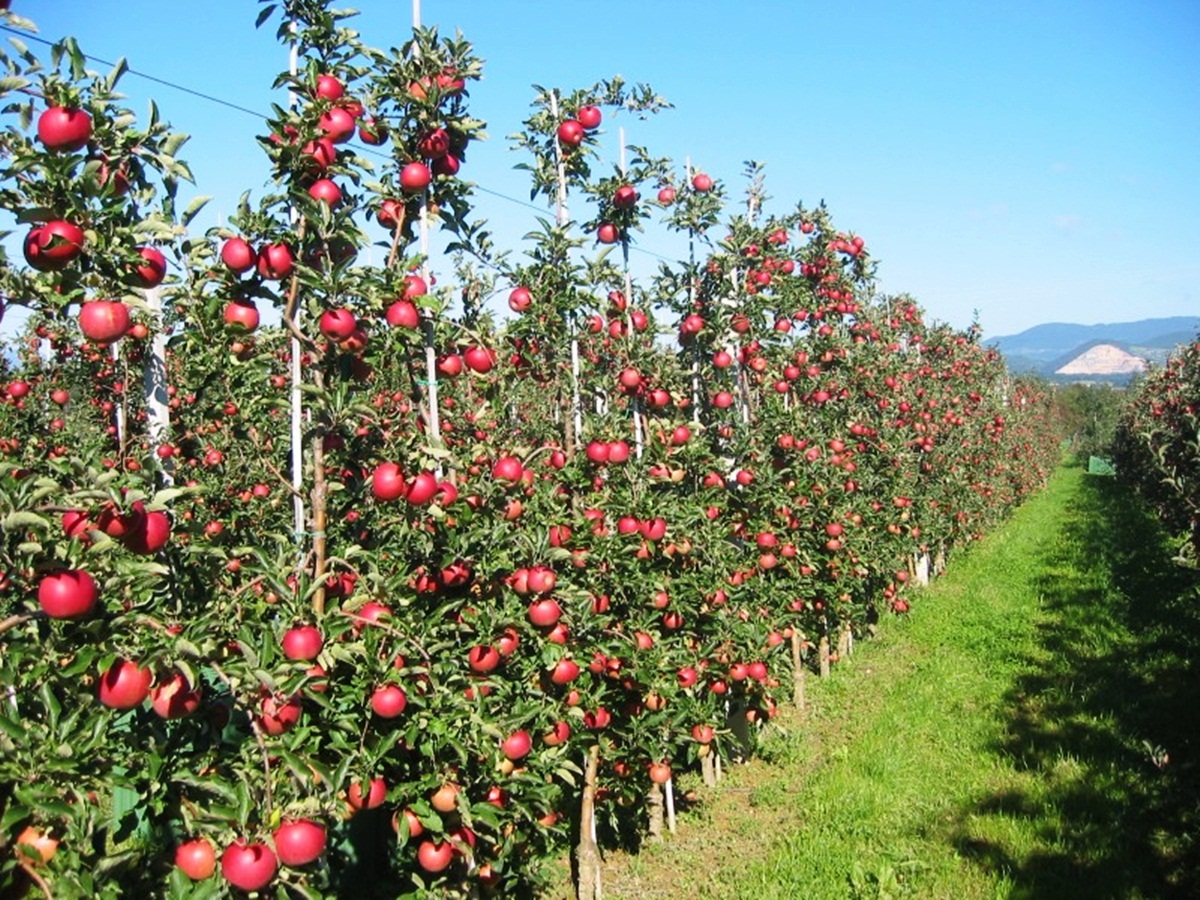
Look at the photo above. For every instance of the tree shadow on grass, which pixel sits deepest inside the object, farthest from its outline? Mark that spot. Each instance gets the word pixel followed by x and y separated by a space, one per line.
pixel 1102 746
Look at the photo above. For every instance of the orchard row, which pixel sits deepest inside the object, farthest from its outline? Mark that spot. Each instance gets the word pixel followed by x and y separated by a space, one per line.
pixel 397 592
pixel 1157 445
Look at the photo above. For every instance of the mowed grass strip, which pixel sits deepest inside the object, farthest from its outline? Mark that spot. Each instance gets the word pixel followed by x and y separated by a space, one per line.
pixel 1029 730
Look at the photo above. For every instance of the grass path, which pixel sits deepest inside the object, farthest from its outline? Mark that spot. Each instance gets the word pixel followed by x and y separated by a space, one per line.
pixel 1031 729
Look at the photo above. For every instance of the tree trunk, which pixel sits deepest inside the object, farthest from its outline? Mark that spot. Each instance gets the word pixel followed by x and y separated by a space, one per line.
pixel 587 854
pixel 654 811
pixel 845 644
pixel 708 767
pixel 798 673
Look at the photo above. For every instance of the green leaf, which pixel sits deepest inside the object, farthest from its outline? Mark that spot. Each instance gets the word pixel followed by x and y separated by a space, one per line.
pixel 114 76
pixel 11 83
pixel 193 209
pixel 173 142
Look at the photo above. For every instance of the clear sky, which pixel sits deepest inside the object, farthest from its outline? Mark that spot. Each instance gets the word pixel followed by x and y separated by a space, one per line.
pixel 1033 161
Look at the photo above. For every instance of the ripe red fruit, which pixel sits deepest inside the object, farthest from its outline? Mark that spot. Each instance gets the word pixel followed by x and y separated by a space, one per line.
pixel 545 613
pixel 329 88
pixel 123 685
pixel 570 133
pixel 447 165
pixel 375 795
pixel 68 594
pixel 702 734
pixel 241 316
pixel 702 183
pixel 279 714
pixel 337 324
pixel 372 132
pixel 423 489
pixel 52 245
pixel 589 117
pixel 565 671
pixel 238 255
pixel 450 365
pixel 415 177
pixel 321 154
pixel 508 468
pixel 388 483
pixel 249 867
pixel 625 197
pixel 325 190
pixel 414 286
pixel 337 124
pixel 483 658
pixel 299 842
pixel 403 314
pixel 608 233
pixel 151 272
pixel 479 359
pixel 60 128
pixel 174 698
pixel 435 856
pixel 103 321
pixel 520 299
pixel 197 859
pixel 302 643
pixel 388 701
pixel 660 772
pixel 370 613
pixel 559 733
pixel 666 195
pixel 391 213
pixel 517 745
pixel 434 144
pixel 275 262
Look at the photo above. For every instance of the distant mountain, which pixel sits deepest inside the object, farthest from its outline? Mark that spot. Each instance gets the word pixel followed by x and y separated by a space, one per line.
pixel 1044 349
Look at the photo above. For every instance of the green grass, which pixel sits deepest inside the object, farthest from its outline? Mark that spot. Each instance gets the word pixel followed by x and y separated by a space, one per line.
pixel 1031 729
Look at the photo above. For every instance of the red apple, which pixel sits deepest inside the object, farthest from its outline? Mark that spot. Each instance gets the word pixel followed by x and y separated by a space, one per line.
pixel 124 685
pixel 570 133
pixel 415 177
pixel 249 867
pixel 68 594
pixel 197 859
pixel 61 128
pixel 299 842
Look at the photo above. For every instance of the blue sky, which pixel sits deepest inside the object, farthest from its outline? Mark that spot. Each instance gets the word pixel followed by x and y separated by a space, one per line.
pixel 1034 161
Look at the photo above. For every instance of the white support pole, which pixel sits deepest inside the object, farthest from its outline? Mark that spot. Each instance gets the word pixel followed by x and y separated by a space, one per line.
pixel 427 324
pixel 297 379
pixel 670 791
pixel 687 176
pixel 154 388
pixel 639 439
pixel 561 217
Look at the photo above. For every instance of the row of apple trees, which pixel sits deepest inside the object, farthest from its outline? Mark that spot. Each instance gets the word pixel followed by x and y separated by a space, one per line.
pixel 315 573
pixel 1157 444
